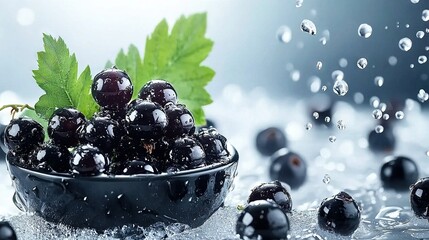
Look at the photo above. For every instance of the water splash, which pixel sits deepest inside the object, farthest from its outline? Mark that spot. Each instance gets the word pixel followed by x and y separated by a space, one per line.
pixel 405 44
pixel 308 26
pixel 365 30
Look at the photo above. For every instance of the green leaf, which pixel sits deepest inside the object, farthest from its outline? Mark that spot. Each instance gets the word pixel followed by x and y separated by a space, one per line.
pixel 175 57
pixel 57 75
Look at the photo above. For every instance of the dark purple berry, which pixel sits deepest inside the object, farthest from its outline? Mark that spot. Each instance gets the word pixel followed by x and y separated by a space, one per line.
pixel 158 91
pixel 23 135
pixel 187 153
pixel 214 144
pixel 2 142
pixel 288 167
pixel 102 132
pixel 54 156
pixel 419 198
pixel 180 121
pixel 262 219
pixel 146 120
pixel 382 142
pixel 63 126
pixel 274 191
pixel 139 167
pixel 112 88
pixel 269 140
pixel 399 173
pixel 88 160
pixel 6 231
pixel 18 159
pixel 339 214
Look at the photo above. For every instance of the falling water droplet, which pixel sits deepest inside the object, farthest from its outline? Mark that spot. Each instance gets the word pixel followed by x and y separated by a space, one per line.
pixel 361 63
pixel 337 75
pixel 327 119
pixel 340 87
pixel 405 44
pixel 358 98
pixel 382 107
pixel 377 114
pixel 425 15
pixel 411 65
pixel 399 115
pixel 295 75
pixel 427 153
pixel 386 116
pixel 420 34
pixel 324 88
pixel 341 125
pixel 422 59
pixel 316 115
pixel 326 179
pixel 298 3
pixel 374 101
pixel 379 81
pixel 407 25
pixel 323 40
pixel 308 26
pixel 365 30
pixel 319 65
pixel 379 129
pixel 332 139
pixel 343 62
pixel 315 84
pixel 415 1
pixel 284 34
pixel 422 96
pixel 392 60
pixel 308 126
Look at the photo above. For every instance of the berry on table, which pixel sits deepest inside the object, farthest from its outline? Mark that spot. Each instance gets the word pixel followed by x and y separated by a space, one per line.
pixel 22 135
pixel 269 140
pixel 274 191
pixel 63 126
pixel 399 173
pixel 419 198
pixel 159 91
pixel 288 167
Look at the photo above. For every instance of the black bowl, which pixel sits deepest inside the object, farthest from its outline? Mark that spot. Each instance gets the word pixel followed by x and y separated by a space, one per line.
pixel 103 202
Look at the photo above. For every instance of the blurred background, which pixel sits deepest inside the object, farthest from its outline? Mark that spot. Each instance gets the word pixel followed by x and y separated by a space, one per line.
pixel 256 45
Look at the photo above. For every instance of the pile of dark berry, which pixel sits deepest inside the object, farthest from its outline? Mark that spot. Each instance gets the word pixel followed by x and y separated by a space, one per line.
pixel 149 135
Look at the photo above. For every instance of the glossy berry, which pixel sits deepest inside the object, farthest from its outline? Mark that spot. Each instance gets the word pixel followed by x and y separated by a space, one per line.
pixel 102 132
pixel 56 157
pixel 22 135
pixel 419 198
pixel 214 144
pixel 274 191
pixel 158 91
pixel 399 173
pixel 88 160
pixel 288 167
pixel 146 120
pixel 269 140
pixel 112 88
pixel 63 126
pixel 2 143
pixel 139 167
pixel 6 231
pixel 180 121
pixel 262 219
pixel 339 214
pixel 382 142
pixel 187 153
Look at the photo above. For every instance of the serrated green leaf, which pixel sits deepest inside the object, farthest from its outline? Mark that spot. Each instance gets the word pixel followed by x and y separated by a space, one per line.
pixel 57 75
pixel 175 57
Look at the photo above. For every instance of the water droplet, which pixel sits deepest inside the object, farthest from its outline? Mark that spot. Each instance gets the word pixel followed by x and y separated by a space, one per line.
pixel 337 75
pixel 415 1
pixel 379 81
pixel 358 98
pixel 427 153
pixel 319 65
pixel 323 40
pixel 343 62
pixel 386 116
pixel 327 119
pixel 25 16
pixel 295 75
pixel 420 34
pixel 361 63
pixel 340 87
pixel 326 179
pixel 411 65
pixel 377 114
pixel 308 26
pixel 365 30
pixel 298 3
pixel 392 60
pixel 374 101
pixel 341 125
pixel 405 44
pixel 399 115
pixel 324 88
pixel 427 48
pixel 316 115
pixel 284 34
pixel 379 129
pixel 422 96
pixel 425 15
pixel 332 139
pixel 407 25
pixel 382 107
pixel 308 126
pixel 422 59
pixel 315 84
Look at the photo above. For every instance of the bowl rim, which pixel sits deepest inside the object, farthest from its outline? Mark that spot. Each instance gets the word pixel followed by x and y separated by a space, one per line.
pixel 232 159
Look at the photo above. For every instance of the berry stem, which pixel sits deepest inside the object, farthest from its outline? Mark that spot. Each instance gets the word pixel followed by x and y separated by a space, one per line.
pixel 16 108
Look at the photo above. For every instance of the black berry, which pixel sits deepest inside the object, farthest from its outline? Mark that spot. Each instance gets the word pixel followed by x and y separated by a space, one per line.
pixel 158 91
pixel 269 140
pixel 382 142
pixel 2 143
pixel 22 135
pixel 63 126
pixel 262 219
pixel 101 132
pixel 419 198
pixel 140 167
pixel 274 191
pixel 399 173
pixel 288 167
pixel 56 157
pixel 180 121
pixel 187 153
pixel 112 88
pixel 88 160
pixel 214 144
pixel 6 231
pixel 339 214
